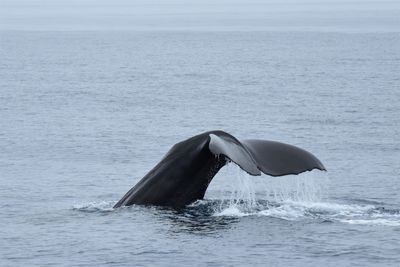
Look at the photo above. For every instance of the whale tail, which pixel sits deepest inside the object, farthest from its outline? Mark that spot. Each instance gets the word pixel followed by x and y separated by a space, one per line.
pixel 185 172
pixel 270 157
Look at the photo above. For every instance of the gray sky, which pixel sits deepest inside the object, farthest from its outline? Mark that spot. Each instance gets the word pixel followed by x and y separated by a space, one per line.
pixel 324 15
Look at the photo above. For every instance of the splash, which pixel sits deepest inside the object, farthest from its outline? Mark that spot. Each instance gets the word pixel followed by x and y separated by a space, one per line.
pixel 101 206
pixel 291 198
pixel 244 192
pixel 384 222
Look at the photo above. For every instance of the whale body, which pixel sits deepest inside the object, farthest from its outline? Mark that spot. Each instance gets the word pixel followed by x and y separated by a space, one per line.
pixel 185 172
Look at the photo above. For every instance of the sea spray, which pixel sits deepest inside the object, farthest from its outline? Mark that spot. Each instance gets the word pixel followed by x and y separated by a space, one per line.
pixel 99 206
pixel 243 193
pixel 306 187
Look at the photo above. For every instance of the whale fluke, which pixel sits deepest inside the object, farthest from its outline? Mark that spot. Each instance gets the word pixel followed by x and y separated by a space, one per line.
pixel 185 172
pixel 277 159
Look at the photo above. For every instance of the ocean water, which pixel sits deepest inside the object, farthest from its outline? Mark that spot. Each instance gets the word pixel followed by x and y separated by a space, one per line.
pixel 84 115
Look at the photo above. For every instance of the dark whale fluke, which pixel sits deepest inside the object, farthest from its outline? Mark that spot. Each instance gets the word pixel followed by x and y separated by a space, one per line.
pixel 185 172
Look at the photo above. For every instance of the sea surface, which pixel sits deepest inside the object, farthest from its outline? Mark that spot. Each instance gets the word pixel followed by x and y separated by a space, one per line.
pixel 85 114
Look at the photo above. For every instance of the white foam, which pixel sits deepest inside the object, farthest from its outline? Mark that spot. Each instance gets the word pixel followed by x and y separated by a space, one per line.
pixel 386 222
pixel 95 206
pixel 285 212
pixel 333 209
pixel 292 211
pixel 232 211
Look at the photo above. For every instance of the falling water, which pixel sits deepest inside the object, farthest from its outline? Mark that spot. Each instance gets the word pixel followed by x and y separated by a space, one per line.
pixel 249 194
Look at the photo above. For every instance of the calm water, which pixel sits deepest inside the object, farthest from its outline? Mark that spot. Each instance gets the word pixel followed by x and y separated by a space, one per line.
pixel 84 115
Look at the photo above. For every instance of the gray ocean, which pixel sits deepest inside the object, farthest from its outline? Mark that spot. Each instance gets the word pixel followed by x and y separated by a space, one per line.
pixel 85 114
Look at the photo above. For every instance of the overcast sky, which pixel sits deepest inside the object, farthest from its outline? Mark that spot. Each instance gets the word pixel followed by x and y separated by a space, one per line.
pixel 324 15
